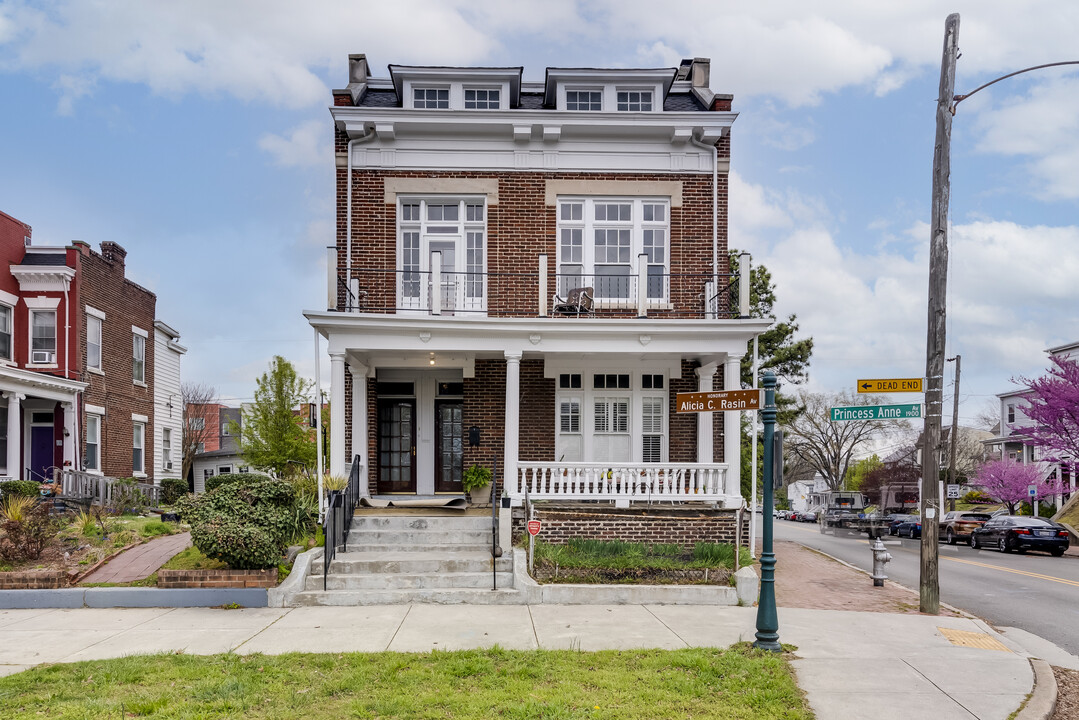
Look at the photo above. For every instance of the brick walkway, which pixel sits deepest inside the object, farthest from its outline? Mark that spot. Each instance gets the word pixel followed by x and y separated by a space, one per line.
pixel 140 561
pixel 808 579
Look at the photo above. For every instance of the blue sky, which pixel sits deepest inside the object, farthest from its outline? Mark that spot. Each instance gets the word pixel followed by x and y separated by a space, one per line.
pixel 196 135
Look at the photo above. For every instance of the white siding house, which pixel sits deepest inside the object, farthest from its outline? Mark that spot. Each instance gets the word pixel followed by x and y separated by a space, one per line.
pixel 168 403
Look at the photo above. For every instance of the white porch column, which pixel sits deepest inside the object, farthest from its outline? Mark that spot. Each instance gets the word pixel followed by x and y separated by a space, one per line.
pixel 337 414
pixel 359 418
pixel 513 414
pixel 732 430
pixel 70 437
pixel 14 434
pixel 705 443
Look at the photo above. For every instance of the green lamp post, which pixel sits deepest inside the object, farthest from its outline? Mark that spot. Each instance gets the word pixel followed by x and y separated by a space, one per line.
pixel 767 620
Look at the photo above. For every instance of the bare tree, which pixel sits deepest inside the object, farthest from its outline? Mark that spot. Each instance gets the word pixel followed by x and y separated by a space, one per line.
pixel 197 425
pixel 988 417
pixel 827 446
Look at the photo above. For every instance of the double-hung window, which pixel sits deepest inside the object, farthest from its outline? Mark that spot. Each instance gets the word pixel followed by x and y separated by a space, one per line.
pixel 138 449
pixel 92 457
pixel 42 336
pixel 602 242
pixel 93 342
pixel 442 240
pixel 5 332
pixel 138 361
pixel 166 449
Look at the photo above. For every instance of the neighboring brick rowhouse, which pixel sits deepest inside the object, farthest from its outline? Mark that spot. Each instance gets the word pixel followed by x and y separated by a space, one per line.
pixel 681 525
pixel 520 226
pixel 102 285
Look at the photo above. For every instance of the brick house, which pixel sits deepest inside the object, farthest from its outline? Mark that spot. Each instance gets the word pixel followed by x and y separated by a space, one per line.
pixel 77 360
pixel 527 273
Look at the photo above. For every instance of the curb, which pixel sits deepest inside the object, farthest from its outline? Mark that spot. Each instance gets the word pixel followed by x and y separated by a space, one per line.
pixel 1042 702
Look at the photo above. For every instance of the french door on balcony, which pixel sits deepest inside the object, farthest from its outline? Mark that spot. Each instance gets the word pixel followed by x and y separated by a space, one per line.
pixel 461 282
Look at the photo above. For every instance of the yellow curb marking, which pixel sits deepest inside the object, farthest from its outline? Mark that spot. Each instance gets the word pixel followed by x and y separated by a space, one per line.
pixel 966 638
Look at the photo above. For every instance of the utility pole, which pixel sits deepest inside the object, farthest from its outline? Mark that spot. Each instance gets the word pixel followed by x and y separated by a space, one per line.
pixel 955 427
pixel 929 586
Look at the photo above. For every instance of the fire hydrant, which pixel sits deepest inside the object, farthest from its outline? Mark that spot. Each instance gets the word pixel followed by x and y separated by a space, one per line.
pixel 881 556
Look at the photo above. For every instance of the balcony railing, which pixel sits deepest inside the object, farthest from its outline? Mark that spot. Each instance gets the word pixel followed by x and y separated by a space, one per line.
pixel 614 291
pixel 622 483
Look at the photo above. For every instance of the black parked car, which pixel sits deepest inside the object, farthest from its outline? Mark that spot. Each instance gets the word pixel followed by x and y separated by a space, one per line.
pixel 1009 533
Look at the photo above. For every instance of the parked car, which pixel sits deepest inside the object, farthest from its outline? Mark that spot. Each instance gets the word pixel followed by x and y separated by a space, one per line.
pixel 791 515
pixel 958 525
pixel 1012 533
pixel 895 520
pixel 911 528
pixel 808 516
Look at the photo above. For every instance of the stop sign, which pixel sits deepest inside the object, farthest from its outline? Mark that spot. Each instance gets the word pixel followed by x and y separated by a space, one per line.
pixel 533 527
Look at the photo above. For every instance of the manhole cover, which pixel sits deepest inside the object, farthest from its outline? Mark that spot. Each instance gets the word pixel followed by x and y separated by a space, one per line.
pixel 965 638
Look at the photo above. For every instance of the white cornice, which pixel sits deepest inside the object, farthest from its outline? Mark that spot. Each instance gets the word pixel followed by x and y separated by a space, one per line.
pixel 43 278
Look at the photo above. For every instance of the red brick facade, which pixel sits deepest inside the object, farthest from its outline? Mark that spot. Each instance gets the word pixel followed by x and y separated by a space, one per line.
pixel 684 525
pixel 126 305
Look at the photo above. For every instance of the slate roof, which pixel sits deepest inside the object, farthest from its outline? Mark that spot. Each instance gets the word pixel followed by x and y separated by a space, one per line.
pixel 379 98
pixel 682 102
pixel 674 102
pixel 55 259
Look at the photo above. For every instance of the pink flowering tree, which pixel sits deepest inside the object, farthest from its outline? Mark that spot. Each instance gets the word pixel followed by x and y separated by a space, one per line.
pixel 1054 409
pixel 1009 482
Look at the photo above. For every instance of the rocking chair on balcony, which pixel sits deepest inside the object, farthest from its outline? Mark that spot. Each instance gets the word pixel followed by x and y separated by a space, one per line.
pixel 577 302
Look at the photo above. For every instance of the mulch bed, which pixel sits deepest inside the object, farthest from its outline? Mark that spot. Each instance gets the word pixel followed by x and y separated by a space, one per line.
pixel 1067 694
pixel 643 576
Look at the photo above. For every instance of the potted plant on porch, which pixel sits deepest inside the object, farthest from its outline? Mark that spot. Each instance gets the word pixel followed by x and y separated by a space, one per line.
pixel 475 482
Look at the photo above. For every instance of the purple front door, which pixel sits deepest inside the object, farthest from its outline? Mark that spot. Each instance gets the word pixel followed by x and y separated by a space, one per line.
pixel 41 452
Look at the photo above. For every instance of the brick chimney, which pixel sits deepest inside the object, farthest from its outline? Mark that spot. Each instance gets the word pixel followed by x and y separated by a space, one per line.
pixel 113 253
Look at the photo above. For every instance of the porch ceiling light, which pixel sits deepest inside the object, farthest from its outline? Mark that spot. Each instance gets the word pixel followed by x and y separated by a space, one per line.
pixel 432 360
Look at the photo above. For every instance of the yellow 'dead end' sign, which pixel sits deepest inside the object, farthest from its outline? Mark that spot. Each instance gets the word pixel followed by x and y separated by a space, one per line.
pixel 891 385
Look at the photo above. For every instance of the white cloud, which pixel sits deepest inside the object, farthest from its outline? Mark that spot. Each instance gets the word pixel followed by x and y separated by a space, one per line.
pixel 307 145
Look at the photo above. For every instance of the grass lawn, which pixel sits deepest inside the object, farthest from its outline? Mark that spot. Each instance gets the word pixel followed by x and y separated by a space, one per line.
pixel 735 683
pixel 615 554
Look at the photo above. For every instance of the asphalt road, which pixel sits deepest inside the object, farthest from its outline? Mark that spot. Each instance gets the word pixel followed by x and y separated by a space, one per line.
pixel 1035 592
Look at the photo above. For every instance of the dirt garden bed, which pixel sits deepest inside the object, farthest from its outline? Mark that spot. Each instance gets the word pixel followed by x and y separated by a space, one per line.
pixel 589 561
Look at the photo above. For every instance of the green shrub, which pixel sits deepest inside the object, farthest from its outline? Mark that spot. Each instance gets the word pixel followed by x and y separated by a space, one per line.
pixel 26 531
pixel 975 497
pixel 217 481
pixel 19 488
pixel 243 524
pixel 172 489
pixel 127 497
pixel 155 528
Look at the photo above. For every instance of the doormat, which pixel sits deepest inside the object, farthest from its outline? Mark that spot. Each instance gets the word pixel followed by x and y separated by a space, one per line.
pixel 450 503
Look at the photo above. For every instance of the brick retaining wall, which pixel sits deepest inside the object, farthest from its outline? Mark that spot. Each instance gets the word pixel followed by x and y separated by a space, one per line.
pixel 217 578
pixel 33 580
pixel 684 526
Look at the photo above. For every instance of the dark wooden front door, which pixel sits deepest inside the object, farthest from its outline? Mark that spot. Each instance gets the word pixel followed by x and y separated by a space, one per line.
pixel 397 446
pixel 449 445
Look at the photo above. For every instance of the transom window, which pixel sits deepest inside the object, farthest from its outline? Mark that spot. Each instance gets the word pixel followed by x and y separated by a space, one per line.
pixel 431 98
pixel 635 100
pixel 600 242
pixel 456 229
pixel 591 100
pixel 485 99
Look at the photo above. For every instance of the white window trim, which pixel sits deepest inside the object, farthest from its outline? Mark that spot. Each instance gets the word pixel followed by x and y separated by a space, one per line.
pixel 138 424
pixel 413 87
pixel 11 330
pixel 139 418
pixel 100 367
pixel 145 343
pixel 90 310
pixel 472 86
pixel 565 89
pixel 656 97
pixel 166 449
pixel 588 259
pixel 42 303
pixel 9 299
pixel 55 336
pixel 92 410
pixel 139 331
pixel 587 395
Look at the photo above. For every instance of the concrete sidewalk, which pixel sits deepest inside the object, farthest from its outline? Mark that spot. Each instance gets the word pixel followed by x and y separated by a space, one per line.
pixel 850 664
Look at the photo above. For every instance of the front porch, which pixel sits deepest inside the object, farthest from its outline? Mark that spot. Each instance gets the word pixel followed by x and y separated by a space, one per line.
pixel 577 409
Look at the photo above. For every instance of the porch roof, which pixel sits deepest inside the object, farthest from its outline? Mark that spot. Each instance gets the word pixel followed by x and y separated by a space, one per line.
pixel 39 384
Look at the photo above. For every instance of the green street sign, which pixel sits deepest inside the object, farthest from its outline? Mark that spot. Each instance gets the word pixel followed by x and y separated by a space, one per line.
pixel 877 412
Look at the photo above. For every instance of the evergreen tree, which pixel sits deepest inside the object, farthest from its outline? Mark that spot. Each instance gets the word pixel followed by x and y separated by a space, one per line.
pixel 273 436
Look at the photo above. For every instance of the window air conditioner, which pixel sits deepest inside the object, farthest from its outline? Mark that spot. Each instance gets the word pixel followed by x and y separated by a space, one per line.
pixel 42 356
pixel 168 465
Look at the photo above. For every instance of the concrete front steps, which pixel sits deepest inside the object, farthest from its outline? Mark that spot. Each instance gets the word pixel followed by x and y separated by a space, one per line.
pixel 398 559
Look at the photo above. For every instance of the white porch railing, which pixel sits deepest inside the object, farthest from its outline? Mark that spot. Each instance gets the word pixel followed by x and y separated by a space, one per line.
pixel 622 482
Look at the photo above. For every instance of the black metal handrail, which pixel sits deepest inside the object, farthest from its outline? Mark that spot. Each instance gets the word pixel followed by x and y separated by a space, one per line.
pixel 496 551
pixel 340 508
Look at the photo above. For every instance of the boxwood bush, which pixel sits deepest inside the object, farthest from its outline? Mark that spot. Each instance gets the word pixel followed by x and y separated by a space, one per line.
pixel 19 488
pixel 243 524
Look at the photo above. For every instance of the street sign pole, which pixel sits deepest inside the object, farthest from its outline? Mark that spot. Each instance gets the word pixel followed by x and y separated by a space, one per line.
pixel 767 618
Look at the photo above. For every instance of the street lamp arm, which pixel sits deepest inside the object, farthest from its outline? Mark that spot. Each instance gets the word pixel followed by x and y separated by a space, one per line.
pixel 960 98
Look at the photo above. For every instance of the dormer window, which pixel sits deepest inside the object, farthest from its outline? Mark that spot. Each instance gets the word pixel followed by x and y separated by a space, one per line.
pixel 482 99
pixel 427 98
pixel 635 100
pixel 588 100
